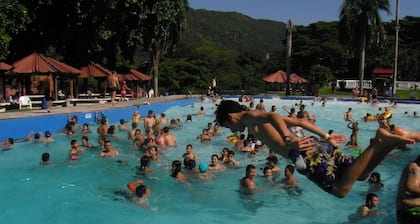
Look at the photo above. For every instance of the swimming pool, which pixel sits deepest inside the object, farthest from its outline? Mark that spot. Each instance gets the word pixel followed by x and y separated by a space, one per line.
pixel 83 191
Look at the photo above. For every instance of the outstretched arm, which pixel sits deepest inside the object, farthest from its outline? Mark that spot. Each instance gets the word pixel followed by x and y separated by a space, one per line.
pixel 335 139
pixel 132 185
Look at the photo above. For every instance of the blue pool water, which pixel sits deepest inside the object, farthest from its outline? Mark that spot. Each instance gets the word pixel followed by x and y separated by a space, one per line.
pixel 83 191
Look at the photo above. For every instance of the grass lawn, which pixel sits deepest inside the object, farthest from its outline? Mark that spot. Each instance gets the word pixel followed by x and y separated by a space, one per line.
pixel 401 94
pixel 326 91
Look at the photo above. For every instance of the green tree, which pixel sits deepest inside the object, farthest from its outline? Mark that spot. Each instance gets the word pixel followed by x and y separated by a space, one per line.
pixel 321 74
pixel 104 31
pixel 161 29
pixel 13 18
pixel 361 25
pixel 318 44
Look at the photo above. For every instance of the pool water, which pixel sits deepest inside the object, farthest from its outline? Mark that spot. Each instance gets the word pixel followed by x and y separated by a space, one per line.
pixel 83 191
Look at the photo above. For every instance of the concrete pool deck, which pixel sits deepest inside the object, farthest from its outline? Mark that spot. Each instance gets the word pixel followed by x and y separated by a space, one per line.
pixel 17 124
pixel 88 107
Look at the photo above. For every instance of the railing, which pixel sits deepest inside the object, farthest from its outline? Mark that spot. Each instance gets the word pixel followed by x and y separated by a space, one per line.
pixel 351 84
pixel 367 84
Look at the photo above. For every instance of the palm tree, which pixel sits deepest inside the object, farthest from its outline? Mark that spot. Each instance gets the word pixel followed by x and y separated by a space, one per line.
pixel 360 24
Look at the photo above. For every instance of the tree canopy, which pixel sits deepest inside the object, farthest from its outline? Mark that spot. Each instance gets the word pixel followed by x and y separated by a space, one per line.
pixel 193 46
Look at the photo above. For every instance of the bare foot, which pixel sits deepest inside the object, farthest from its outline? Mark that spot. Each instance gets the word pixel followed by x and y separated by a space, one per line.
pixel 386 139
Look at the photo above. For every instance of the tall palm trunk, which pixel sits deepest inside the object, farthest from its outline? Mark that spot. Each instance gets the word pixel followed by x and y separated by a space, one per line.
pixel 362 64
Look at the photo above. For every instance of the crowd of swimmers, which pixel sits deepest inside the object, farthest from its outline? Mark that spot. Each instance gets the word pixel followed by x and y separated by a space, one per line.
pixel 264 129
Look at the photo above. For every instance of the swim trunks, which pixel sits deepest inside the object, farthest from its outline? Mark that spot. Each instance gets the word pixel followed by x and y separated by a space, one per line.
pixel 409 215
pixel 112 89
pixel 323 163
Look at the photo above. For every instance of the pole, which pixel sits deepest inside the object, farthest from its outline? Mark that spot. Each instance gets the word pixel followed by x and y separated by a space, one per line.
pixel 289 28
pixel 397 28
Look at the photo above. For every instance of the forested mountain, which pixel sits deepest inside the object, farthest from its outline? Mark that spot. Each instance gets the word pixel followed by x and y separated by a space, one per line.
pixel 235 31
pixel 235 48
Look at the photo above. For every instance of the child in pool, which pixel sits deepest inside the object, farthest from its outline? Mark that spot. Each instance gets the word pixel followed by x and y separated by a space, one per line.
pixel 141 193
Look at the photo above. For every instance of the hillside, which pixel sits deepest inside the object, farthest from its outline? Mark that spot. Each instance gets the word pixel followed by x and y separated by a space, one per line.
pixel 235 31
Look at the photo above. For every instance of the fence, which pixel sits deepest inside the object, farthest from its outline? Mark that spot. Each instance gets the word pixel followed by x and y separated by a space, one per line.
pixel 367 84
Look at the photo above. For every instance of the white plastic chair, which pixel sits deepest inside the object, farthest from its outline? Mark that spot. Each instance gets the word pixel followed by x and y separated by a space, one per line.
pixel 25 101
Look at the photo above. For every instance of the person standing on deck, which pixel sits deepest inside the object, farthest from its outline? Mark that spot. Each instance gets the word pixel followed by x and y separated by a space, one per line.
pixel 113 86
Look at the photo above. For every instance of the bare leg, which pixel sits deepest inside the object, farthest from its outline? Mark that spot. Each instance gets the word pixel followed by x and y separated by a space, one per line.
pixel 381 145
pixel 113 97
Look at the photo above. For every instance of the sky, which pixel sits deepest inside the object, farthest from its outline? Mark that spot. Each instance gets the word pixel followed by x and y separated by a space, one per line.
pixel 301 12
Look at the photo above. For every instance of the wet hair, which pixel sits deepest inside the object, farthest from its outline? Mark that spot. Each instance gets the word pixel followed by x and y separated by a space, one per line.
pixel 265 169
pixel 377 175
pixel 45 157
pixel 144 162
pixel 140 190
pixel 165 129
pixel 122 121
pixel 73 141
pixel 177 165
pixel 225 108
pixel 292 110
pixel 37 136
pixel 85 138
pixel 189 117
pixel 133 125
pixel 215 155
pixel 163 115
pixel 111 129
pixel 369 197
pixel 231 153
pixel 273 159
pixel 189 164
pixel 249 168
pixel 68 127
pixel 290 168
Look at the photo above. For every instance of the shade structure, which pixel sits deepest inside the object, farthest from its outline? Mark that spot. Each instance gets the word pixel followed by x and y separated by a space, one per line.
pixel 94 70
pixel 127 77
pixel 295 78
pixel 280 77
pixel 140 75
pixel 134 75
pixel 5 67
pixel 38 64
pixel 385 73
